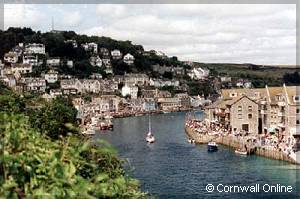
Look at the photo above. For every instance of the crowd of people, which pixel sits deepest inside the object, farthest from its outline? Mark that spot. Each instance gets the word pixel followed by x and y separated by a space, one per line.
pixel 276 141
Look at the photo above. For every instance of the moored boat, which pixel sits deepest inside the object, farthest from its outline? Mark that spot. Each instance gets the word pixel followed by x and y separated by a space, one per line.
pixel 150 137
pixel 89 132
pixel 212 147
pixel 241 151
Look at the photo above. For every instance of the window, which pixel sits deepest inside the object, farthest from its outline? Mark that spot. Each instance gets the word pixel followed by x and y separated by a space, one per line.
pixel 297 98
pixel 240 116
pixel 239 108
pixel 250 108
pixel 298 110
pixel 233 94
pixel 250 116
pixel 298 122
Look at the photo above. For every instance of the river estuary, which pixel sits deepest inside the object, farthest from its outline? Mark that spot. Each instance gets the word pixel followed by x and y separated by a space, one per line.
pixel 174 168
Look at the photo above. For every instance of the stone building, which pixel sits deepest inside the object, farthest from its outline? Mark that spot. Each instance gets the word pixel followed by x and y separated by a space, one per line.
pixel 244 115
pixel 274 110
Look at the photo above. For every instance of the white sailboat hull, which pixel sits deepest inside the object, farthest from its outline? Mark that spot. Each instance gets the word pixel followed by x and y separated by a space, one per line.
pixel 150 139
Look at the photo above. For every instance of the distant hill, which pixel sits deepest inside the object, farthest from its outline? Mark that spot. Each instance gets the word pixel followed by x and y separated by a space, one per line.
pixel 56 46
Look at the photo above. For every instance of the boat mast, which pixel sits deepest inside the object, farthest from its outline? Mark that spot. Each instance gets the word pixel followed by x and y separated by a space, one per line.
pixel 149 124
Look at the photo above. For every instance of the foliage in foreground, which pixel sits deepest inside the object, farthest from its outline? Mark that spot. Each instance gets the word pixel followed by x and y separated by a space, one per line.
pixel 34 166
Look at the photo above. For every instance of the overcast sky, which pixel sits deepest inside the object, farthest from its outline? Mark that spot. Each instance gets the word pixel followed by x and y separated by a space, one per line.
pixel 260 34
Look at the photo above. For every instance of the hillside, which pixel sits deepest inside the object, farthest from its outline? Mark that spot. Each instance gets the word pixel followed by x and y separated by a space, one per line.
pixel 56 46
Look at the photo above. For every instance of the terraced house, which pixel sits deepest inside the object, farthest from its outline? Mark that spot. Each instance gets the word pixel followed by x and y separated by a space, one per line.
pixel 263 110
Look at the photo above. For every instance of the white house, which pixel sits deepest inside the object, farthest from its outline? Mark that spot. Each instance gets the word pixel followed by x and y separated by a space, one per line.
pixel 34 48
pixel 90 85
pixel 11 57
pixel 90 47
pixel 30 59
pixel 116 54
pixel 70 85
pixel 198 73
pixel 130 91
pixel 128 59
pixel 21 68
pixel 51 76
pixel 70 63
pixel 53 61
pixel 35 84
pixel 161 83
pixel 96 61
pixel 136 78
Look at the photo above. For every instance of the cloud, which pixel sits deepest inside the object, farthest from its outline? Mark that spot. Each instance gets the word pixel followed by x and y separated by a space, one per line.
pixel 71 19
pixel 262 34
pixel 22 15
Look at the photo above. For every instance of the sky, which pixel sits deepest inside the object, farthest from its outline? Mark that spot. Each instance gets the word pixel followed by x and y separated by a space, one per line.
pixel 214 33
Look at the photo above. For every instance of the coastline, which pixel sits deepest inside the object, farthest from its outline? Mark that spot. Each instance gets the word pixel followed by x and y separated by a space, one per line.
pixel 154 112
pixel 235 143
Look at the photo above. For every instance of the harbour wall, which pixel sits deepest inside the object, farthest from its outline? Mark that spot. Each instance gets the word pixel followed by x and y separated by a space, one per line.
pixel 234 142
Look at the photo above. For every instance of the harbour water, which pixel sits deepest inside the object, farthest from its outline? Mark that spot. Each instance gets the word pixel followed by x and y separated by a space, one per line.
pixel 174 168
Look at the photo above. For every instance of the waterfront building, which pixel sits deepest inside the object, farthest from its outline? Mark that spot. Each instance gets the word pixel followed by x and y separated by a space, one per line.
pixel 263 110
pixel 168 104
pixel 149 105
pixel 184 100
pixel 130 90
pixel 149 93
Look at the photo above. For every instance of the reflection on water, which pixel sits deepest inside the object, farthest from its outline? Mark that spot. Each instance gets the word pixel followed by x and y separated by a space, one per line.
pixel 173 168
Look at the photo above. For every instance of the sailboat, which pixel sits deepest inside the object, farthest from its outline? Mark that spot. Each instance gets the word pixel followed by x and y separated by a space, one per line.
pixel 150 137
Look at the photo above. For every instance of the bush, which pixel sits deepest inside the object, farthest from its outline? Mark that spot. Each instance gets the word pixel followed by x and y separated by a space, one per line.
pixel 33 166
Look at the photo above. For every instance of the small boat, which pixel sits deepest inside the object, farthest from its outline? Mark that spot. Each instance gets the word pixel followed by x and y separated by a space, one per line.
pixel 212 147
pixel 89 132
pixel 241 151
pixel 150 137
pixel 192 141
